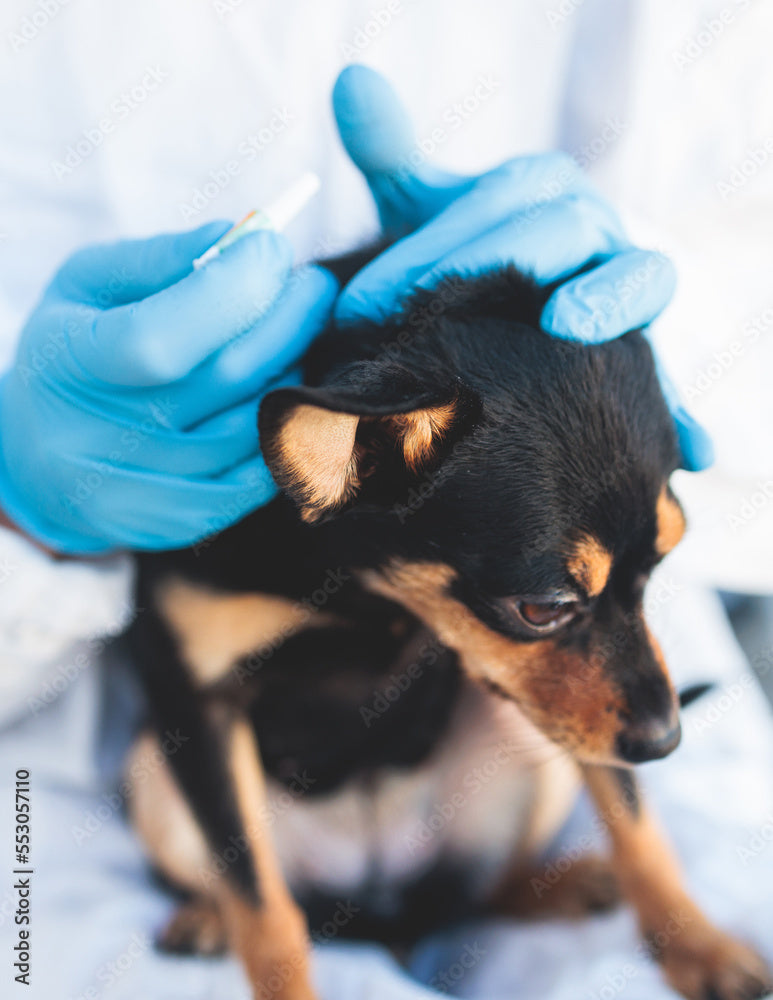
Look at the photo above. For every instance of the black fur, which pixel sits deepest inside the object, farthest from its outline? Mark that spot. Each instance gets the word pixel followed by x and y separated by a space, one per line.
pixel 629 789
pixel 551 439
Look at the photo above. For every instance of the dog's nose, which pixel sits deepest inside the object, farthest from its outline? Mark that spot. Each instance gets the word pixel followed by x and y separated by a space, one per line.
pixel 649 740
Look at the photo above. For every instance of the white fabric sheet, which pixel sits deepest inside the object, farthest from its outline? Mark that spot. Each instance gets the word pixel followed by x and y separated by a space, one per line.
pixel 96 909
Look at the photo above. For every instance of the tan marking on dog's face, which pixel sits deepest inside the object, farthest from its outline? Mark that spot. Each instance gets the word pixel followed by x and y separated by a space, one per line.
pixel 570 698
pixel 215 629
pixel 316 447
pixel 589 563
pixel 671 522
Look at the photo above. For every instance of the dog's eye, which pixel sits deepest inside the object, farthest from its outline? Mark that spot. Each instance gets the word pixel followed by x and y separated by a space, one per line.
pixel 545 616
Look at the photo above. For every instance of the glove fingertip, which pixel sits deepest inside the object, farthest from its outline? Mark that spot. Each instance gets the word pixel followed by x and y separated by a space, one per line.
pixel 208 233
pixel 372 122
pixel 265 241
pixel 313 291
pixel 344 312
pixel 363 304
pixel 258 259
pixel 695 442
pixel 323 282
pixel 568 318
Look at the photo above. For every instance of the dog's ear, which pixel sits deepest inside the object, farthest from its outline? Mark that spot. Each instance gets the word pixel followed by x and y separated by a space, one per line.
pixel 323 445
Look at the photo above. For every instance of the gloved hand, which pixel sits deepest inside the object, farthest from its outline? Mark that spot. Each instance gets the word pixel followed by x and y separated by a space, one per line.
pixel 537 212
pixel 129 416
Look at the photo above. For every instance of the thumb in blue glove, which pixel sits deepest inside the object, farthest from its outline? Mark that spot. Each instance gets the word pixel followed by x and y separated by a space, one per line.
pixel 539 213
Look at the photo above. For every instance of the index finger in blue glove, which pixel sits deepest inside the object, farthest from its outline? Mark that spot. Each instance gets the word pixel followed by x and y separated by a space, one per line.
pixel 165 336
pixel 624 293
pixel 537 244
pixel 524 184
pixel 243 367
pixel 110 274
pixel 188 508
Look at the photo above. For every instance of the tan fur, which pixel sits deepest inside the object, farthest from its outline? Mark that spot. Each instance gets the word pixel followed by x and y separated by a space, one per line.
pixel 419 432
pixel 570 698
pixel 589 885
pixel 699 959
pixel 162 817
pixel 215 629
pixel 271 938
pixel 318 451
pixel 589 563
pixel 317 448
pixel 671 523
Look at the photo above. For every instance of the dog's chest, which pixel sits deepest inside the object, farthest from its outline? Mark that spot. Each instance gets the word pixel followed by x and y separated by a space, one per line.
pixel 493 789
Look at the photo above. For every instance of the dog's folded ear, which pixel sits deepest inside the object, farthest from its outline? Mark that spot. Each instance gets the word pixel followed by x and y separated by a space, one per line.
pixel 323 445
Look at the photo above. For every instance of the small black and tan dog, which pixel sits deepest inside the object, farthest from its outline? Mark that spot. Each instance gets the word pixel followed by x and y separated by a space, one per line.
pixel 392 680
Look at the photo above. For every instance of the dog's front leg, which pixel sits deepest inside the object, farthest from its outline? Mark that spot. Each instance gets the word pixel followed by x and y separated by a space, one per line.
pixel 699 960
pixel 265 927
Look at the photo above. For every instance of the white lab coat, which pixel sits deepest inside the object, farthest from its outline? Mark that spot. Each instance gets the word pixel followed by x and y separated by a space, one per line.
pixel 130 119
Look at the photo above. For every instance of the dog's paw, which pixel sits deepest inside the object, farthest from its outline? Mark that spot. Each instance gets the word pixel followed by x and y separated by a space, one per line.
pixel 195 929
pixel 595 888
pixel 589 885
pixel 703 963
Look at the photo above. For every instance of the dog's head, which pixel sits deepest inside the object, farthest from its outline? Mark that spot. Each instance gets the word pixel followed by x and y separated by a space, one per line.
pixel 511 490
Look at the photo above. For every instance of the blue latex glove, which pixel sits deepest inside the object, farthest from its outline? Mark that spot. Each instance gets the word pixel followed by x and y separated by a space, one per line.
pixel 538 212
pixel 129 416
